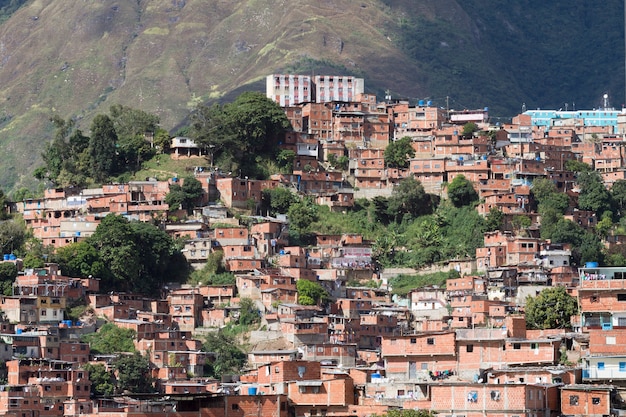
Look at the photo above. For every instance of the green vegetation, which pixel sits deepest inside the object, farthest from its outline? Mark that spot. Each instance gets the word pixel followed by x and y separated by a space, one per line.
pixel 402 284
pixel 239 135
pixel 126 256
pixel 102 381
pixel 461 192
pixel 8 273
pixel 311 293
pixel 551 309
pixel 184 196
pixel 229 355
pixel 398 153
pixel 248 312
pixel 110 339
pixel 213 272
pixel 278 200
pixel 133 374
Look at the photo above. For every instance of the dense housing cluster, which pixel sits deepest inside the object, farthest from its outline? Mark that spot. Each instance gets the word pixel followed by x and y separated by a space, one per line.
pixel 462 349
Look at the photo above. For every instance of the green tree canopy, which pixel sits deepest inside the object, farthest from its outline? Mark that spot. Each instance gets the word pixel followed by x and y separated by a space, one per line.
pixel 110 339
pixel 461 191
pixel 618 194
pixel 551 309
pixel 278 200
pixel 133 374
pixel 302 214
pixel 239 132
pixel 548 196
pixel 102 381
pixel 137 257
pixel 311 293
pixel 8 273
pixel 229 356
pixel 409 200
pixel 593 194
pixel 103 148
pixel 184 196
pixel 398 153
pixel 248 312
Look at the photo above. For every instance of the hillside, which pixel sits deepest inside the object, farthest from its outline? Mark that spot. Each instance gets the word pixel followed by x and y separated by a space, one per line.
pixel 76 59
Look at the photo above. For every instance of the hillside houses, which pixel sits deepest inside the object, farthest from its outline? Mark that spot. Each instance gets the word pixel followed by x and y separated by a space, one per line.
pixel 457 349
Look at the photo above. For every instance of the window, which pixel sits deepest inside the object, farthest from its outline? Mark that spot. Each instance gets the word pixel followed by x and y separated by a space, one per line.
pixel 276 370
pixel 595 400
pixel 621 297
pixel 495 395
pixel 573 400
pixel 534 345
pixel 430 341
pixel 610 340
pixel 469 348
pixel 413 340
pixel 235 407
pixel 517 346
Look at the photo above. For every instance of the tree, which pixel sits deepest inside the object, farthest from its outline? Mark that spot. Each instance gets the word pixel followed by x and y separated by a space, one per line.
pixel 618 194
pixel 12 235
pixel 185 196
pixel 285 159
pixel 8 273
pixel 229 357
pixel 248 312
pixel 469 129
pixel 398 153
pixel 593 194
pixel 409 200
pixel 461 191
pixel 302 215
pixel 102 381
pixel 278 200
pixel 136 257
pixel 102 148
pixel 80 260
pixel 494 219
pixel 133 374
pixel 310 293
pixel 551 309
pixel 548 196
pixel 239 132
pixel 114 239
pixel 110 339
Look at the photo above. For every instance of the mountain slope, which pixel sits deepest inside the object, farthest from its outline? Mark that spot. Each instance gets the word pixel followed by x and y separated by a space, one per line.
pixel 76 59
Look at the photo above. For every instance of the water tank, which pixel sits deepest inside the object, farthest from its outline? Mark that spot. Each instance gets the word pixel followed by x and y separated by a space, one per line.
pixel 429 103
pixel 12 257
pixel 420 103
pixel 251 390
pixel 484 157
pixel 5 257
pixel 376 376
pixel 591 265
pixel 486 108
pixel 18 331
pixel 538 158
